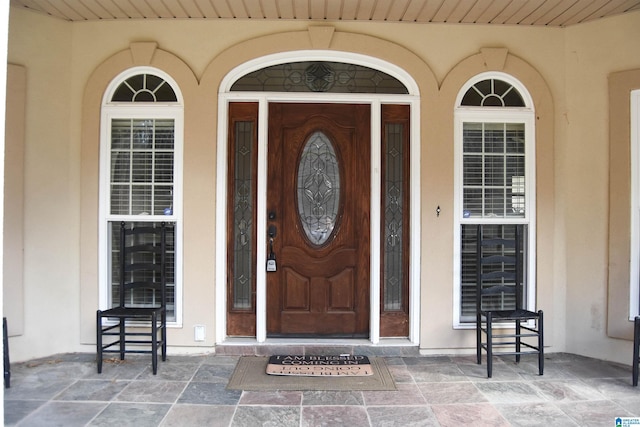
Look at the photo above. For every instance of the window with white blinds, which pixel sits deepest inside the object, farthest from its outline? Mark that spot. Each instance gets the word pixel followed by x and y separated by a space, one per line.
pixel 141 174
pixel 493 166
pixel 142 153
pixel 495 181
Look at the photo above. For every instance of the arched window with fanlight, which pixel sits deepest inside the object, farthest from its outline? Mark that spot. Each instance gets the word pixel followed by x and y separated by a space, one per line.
pixel 140 174
pixel 494 179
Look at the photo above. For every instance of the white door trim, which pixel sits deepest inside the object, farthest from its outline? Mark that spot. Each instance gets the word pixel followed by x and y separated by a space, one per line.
pixel 263 99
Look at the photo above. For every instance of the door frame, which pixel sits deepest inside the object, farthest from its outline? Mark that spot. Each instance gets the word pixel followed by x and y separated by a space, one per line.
pixel 263 99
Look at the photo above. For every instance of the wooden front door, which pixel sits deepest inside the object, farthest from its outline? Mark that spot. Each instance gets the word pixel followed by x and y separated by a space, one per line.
pixel 318 203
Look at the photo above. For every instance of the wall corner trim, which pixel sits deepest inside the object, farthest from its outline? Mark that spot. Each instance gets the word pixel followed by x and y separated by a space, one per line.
pixel 321 36
pixel 142 52
pixel 494 57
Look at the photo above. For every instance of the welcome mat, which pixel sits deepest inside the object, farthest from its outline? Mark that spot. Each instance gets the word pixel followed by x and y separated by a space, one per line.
pixel 251 374
pixel 319 366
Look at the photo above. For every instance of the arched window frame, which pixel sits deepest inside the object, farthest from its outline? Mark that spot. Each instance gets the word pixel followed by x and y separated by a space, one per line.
pixel 140 110
pixel 477 114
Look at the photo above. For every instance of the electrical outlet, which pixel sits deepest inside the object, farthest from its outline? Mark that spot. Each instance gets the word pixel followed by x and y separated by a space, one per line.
pixel 198 332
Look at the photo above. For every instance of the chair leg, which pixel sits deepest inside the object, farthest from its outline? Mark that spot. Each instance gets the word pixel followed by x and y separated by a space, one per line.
pixel 122 339
pixel 540 343
pixel 164 335
pixel 489 345
pixel 7 363
pixel 99 341
pixel 636 350
pixel 154 342
pixel 518 338
pixel 478 339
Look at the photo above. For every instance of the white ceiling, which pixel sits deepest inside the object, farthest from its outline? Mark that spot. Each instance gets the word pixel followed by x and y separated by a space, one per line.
pixel 552 13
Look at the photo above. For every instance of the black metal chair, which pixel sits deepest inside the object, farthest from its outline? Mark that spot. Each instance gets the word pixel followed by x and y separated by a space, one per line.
pixel 636 350
pixel 7 363
pixel 499 298
pixel 132 325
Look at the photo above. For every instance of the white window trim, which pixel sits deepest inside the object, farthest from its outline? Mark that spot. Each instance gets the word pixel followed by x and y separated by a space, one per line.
pixel 263 99
pixel 524 115
pixel 634 276
pixel 132 110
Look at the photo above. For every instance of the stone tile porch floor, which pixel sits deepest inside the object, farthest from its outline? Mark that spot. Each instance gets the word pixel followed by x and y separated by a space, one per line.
pixel 66 390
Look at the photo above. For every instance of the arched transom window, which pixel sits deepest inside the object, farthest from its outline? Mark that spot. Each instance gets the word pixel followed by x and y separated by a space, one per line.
pixel 492 93
pixel 319 76
pixel 144 88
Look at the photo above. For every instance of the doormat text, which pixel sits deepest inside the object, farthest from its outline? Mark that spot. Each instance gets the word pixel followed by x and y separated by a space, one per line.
pixel 316 366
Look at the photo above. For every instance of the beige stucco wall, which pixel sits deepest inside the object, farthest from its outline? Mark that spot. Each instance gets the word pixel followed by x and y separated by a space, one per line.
pixel 13 242
pixel 567 67
pixel 51 194
pixel 593 52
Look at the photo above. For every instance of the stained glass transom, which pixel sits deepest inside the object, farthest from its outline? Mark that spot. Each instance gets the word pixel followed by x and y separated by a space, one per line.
pixel 318 188
pixel 319 76
pixel 492 93
pixel 144 88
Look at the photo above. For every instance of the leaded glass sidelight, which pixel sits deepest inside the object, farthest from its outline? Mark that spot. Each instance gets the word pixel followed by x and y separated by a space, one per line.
pixel 243 216
pixel 393 218
pixel 394 245
pixel 318 188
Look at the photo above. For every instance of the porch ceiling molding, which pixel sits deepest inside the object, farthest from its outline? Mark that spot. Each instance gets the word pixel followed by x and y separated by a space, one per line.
pixel 551 13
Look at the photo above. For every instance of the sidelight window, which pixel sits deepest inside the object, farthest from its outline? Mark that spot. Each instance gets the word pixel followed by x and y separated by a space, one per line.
pixel 241 222
pixel 394 304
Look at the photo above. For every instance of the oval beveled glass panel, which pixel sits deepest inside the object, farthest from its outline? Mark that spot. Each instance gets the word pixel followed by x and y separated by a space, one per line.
pixel 318 188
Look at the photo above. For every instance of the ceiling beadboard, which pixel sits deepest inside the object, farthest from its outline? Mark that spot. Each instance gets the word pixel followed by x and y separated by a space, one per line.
pixel 551 13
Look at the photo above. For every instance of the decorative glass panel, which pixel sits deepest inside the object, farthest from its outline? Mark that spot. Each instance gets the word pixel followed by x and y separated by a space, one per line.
pixel 243 216
pixel 393 218
pixel 144 88
pixel 142 153
pixel 144 297
pixel 318 188
pixel 492 93
pixel 493 170
pixel 319 76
